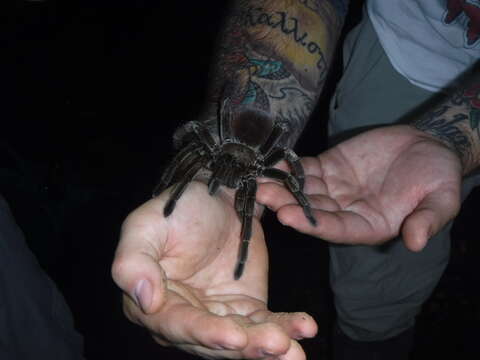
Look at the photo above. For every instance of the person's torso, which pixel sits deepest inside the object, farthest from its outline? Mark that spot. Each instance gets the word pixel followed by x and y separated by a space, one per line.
pixel 430 42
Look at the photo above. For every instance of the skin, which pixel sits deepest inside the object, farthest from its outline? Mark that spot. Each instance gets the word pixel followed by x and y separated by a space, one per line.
pixel 176 272
pixel 191 300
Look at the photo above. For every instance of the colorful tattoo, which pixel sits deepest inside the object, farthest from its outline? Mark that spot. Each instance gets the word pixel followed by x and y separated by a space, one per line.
pixel 273 55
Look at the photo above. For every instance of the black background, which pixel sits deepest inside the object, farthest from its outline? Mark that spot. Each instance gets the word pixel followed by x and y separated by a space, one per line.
pixel 91 92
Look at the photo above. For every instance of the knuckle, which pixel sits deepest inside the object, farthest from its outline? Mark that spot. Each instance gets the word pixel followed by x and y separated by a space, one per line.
pixel 118 269
pixel 265 193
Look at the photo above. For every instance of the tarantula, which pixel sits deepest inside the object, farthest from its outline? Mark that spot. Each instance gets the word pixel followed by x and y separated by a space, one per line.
pixel 246 149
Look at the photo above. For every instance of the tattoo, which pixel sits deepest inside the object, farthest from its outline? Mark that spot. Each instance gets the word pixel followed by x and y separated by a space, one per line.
pixel 471 96
pixel 456 122
pixel 442 126
pixel 289 25
pixel 311 4
pixel 273 56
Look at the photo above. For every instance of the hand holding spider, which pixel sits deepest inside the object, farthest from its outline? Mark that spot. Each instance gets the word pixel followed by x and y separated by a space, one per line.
pixel 176 275
pixel 244 148
pixel 369 189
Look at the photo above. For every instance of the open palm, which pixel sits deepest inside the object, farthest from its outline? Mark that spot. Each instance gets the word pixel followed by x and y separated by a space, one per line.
pixel 367 190
pixel 177 275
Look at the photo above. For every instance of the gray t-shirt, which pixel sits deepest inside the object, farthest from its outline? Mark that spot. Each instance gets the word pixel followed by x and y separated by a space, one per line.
pixel 430 42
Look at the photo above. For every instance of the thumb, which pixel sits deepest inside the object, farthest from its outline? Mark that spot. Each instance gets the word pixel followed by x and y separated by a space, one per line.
pixel 136 269
pixel 429 217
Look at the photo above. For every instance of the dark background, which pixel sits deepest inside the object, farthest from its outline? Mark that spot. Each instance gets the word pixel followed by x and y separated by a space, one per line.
pixel 91 92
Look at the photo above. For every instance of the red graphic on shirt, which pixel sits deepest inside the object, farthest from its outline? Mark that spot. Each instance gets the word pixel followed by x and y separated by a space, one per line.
pixel 473 94
pixel 472 10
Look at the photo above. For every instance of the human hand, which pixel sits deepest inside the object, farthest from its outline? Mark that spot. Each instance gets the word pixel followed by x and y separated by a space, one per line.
pixel 367 190
pixel 177 278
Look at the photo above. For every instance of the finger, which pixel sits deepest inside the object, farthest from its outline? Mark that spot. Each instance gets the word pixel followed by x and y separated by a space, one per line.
pixel 429 217
pixel 297 325
pixel 136 268
pixel 181 323
pixel 265 340
pixel 344 227
pixel 323 202
pixel 295 352
pixel 282 165
pixel 207 353
pixel 312 166
pixel 275 195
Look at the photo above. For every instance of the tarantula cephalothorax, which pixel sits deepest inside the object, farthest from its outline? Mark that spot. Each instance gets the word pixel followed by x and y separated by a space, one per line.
pixel 246 149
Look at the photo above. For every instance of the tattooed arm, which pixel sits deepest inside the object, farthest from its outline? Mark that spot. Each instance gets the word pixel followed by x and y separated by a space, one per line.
pixel 273 55
pixel 176 272
pixel 456 121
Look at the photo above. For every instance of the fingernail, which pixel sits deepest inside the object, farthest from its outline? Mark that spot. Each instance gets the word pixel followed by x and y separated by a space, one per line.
pixel 267 353
pixel 143 294
pixel 298 335
pixel 226 347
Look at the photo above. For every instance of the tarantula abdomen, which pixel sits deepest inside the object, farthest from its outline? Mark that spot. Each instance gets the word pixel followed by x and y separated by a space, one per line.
pixel 251 126
pixel 245 150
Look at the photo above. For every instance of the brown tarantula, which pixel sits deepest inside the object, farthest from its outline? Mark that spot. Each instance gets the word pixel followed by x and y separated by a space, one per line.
pixel 245 150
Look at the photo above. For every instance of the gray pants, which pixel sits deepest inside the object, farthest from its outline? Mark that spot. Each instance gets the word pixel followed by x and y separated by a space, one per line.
pixel 379 290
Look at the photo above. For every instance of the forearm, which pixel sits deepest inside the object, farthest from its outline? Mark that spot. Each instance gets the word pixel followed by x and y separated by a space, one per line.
pixel 456 121
pixel 273 55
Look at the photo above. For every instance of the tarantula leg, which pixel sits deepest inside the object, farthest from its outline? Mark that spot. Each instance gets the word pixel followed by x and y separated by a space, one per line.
pixel 251 192
pixel 179 159
pixel 239 205
pixel 292 160
pixel 213 185
pixel 202 134
pixel 247 197
pixel 224 125
pixel 218 171
pixel 180 188
pixel 278 130
pixel 294 186
pixel 240 197
pixel 274 157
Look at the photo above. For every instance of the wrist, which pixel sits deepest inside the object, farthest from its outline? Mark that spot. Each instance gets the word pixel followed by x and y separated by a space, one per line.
pixel 455 120
pixel 227 194
pixel 423 134
pixel 457 141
